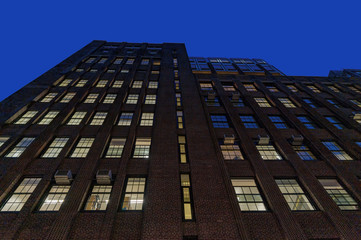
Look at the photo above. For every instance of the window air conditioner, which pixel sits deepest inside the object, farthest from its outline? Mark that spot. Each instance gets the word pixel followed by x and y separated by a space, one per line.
pixel 297 140
pixel 211 95
pixel 104 176
pixel 63 177
pixel 228 139
pixel 263 140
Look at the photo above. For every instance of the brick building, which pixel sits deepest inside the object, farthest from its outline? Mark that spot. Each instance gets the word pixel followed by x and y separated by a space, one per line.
pixel 140 141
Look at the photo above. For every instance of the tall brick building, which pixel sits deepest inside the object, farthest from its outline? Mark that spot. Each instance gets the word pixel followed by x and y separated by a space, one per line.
pixel 140 141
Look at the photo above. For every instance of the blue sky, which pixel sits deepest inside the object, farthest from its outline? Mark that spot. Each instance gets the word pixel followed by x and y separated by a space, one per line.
pixel 298 37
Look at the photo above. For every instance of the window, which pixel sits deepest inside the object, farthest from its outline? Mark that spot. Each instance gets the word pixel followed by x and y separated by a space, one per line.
pixel 82 148
pixel 102 60
pixel 292 88
pixel 178 97
pixel 68 97
pixel 250 87
pixel 79 70
pixel 102 83
pixel 313 88
pixel 118 60
pixel 334 103
pixel 81 83
pixel 182 149
pixel 21 194
pixel 304 152
pixel 110 98
pixel 335 122
pixel 153 84
pixel 287 102
pixel 206 86
pixel 272 88
pixel 309 124
pixel 90 60
pixel 65 82
pixel 124 71
pixel 26 117
pixel 176 74
pixel 142 148
pixel 310 102
pixel 278 122
pixel 354 89
pixel 186 197
pixel 337 150
pixel 212 102
pixel 91 98
pixel 248 195
pixel 110 71
pixel 180 119
pixel 55 147
pixel 175 62
pixel 268 152
pixel 219 121
pixel 231 152
pixel 20 147
pixel 176 84
pixel 294 195
pixel 93 70
pixel 49 97
pixel 54 198
pixel 115 148
pixel 133 197
pixel 145 61
pixel 229 88
pixel 262 102
pixel 117 84
pixel 338 194
pixel 137 84
pixel 99 198
pixel 356 102
pixel 125 119
pixel 76 118
pixel 147 119
pixel 237 102
pixel 150 99
pixel 333 88
pixel 248 121
pixel 132 99
pixel 3 140
pixel 48 117
pixel 98 118
pixel 130 61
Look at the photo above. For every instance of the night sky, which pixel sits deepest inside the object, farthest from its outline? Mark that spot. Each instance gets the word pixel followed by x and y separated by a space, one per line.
pixel 298 37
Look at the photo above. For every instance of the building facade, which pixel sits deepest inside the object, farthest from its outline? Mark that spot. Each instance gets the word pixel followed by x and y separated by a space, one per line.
pixel 140 141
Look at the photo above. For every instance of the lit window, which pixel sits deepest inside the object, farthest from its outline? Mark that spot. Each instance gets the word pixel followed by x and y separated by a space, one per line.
pixel 76 118
pixel 91 98
pixel 20 147
pixel 272 88
pixel 278 122
pixel 186 197
pixel 178 98
pixel 130 61
pixel 79 70
pixel 248 121
pixel 262 102
pixel 153 84
pixel 102 83
pixel 304 152
pixel 338 194
pixel 333 88
pixel 137 84
pixel 356 102
pixel 206 86
pixel 125 119
pixel 313 88
pixel 68 97
pixel 48 117
pixel 354 89
pixel 156 62
pixel 81 83
pixel 82 148
pixel 93 70
pixel 98 118
pixel 54 198
pixel 132 99
pixel 219 121
pixel 124 71
pixel 268 152
pixel 109 98
pixel 117 84
pixel 250 87
pixel 21 194
pixel 292 88
pixel 110 71
pixel 229 88
pixel 99 198
pixel 180 119
pixel 115 148
pixel 337 150
pixel 176 84
pixel 145 61
pixel 176 74
pixel 334 103
pixel 287 102
pixel 175 62
pixel 214 102
pixel 150 99
pixel 147 119
pixel 102 60
pixel 231 152
pixel 310 102
pixel 182 149
pixel 248 195
pixel 294 195
pixel 55 147
pixel 142 148
pixel 307 122
pixel 90 60
pixel 335 122
pixel 65 82
pixel 134 194
pixel 26 117
pixel 3 140
pixel 237 102
pixel 118 60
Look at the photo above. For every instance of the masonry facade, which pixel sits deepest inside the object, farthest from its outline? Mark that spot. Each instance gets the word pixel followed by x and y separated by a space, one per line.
pixel 140 141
